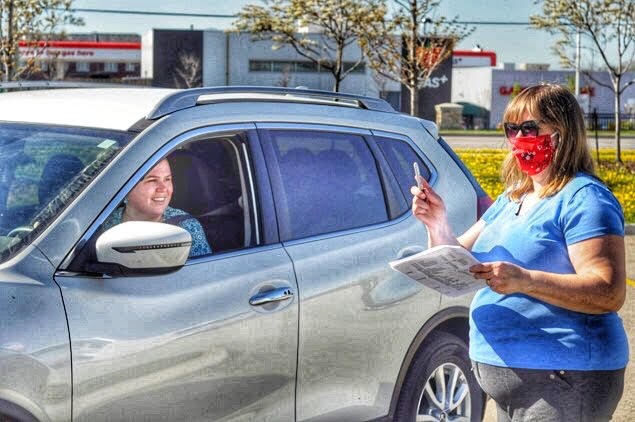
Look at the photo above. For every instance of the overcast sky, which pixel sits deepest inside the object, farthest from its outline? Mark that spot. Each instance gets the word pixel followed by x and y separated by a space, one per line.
pixel 510 43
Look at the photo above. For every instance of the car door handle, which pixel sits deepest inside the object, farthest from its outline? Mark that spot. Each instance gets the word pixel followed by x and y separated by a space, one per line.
pixel 410 250
pixel 273 295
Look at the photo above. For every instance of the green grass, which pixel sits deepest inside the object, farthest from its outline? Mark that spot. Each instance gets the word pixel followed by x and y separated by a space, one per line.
pixel 485 164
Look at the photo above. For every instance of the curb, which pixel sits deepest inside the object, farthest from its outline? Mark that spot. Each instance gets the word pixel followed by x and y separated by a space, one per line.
pixel 629 229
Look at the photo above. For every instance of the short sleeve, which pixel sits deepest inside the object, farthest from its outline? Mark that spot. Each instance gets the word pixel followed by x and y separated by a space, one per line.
pixel 496 208
pixel 592 211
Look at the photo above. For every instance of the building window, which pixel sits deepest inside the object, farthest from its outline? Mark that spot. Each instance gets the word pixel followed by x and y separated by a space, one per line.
pixel 131 67
pixel 259 66
pixel 306 67
pixel 82 67
pixel 110 67
pixel 360 68
pixel 283 66
pixel 302 66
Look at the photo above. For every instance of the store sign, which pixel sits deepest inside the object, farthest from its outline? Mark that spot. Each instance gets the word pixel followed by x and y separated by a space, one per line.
pixel 436 82
pixel 79 54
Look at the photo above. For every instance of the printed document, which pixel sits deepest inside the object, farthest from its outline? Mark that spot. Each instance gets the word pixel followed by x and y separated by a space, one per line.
pixel 443 268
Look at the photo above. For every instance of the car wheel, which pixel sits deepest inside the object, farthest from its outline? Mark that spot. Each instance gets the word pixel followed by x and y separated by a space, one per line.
pixel 440 385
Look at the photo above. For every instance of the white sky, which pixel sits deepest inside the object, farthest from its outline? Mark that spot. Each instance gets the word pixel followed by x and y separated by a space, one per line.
pixel 510 43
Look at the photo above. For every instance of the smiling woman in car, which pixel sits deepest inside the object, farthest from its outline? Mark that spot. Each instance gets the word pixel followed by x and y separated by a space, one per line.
pixel 148 201
pixel 545 338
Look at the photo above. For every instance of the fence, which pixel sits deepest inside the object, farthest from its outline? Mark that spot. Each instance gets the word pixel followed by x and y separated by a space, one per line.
pixel 606 121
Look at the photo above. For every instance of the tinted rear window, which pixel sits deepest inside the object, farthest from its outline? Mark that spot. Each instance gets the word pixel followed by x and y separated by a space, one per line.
pixel 401 157
pixel 330 182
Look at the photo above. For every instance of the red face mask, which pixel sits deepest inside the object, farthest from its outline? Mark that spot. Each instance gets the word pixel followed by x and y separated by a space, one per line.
pixel 533 153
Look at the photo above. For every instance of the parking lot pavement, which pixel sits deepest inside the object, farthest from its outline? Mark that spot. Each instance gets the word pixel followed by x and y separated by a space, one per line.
pixel 626 408
pixel 480 141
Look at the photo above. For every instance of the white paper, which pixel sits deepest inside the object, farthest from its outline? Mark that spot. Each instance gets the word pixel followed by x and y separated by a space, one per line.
pixel 443 268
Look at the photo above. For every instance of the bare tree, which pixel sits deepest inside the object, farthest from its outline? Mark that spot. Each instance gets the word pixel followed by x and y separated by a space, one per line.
pixel 609 25
pixel 33 21
pixel 410 45
pixel 187 73
pixel 285 79
pixel 336 25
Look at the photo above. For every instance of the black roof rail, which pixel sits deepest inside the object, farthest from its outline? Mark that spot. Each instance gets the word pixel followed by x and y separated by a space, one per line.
pixel 187 98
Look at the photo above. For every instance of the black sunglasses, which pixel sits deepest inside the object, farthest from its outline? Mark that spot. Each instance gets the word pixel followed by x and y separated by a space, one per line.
pixel 528 128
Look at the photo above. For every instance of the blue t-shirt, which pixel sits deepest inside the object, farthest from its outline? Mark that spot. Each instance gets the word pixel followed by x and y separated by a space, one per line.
pixel 519 331
pixel 199 247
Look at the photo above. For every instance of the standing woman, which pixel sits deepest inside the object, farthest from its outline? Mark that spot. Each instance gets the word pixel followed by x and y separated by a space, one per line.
pixel 545 338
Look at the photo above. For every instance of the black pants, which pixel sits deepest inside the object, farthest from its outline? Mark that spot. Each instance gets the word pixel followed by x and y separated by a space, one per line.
pixel 546 395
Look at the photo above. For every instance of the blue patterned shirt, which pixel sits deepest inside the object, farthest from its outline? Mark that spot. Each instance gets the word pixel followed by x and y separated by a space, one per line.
pixel 191 224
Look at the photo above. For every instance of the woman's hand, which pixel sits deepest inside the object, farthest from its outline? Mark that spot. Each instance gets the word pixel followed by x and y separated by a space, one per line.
pixel 427 206
pixel 502 277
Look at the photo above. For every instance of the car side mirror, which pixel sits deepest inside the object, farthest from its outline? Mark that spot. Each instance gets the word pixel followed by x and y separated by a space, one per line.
pixel 142 248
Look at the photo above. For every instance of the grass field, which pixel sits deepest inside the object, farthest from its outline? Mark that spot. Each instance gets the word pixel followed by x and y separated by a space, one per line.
pixel 485 164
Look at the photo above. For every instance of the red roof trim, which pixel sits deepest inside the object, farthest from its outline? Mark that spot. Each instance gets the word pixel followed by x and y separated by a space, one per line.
pixel 470 53
pixel 86 44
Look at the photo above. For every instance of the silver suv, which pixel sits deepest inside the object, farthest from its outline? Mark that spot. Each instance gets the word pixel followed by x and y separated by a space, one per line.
pixel 303 198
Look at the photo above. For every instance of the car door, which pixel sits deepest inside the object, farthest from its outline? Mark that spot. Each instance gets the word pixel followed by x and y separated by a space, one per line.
pixel 192 344
pixel 341 227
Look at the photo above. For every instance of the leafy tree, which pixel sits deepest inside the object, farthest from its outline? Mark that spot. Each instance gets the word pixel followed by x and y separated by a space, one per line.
pixel 337 24
pixel 411 44
pixel 33 21
pixel 609 25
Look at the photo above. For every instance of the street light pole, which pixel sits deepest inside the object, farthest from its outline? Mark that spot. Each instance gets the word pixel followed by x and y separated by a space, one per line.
pixel 577 66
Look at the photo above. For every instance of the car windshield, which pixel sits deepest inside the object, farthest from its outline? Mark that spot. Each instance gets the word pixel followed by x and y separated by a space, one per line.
pixel 42 169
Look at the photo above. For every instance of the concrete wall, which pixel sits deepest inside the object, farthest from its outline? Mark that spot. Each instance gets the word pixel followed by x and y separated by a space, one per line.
pixel 147 54
pixel 215 58
pixel 473 85
pixel 242 49
pixel 492 88
pixel 503 82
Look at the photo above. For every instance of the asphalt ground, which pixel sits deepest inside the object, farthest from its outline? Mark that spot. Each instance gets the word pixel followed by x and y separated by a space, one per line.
pixel 497 141
pixel 626 409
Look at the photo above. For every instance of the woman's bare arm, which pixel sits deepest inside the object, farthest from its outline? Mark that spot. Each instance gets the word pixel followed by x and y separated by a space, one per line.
pixel 598 286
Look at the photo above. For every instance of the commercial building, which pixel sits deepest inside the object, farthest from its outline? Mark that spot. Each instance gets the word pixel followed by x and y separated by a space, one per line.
pixel 188 58
pixel 491 88
pixel 85 56
pixel 173 58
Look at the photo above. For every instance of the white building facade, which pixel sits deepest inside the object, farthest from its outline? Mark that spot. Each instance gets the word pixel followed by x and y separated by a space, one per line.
pixel 492 88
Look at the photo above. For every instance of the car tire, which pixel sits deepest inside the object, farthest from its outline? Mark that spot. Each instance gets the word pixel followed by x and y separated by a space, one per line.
pixel 442 364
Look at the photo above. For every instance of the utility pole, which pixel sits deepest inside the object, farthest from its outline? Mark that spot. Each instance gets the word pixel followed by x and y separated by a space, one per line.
pixel 577 66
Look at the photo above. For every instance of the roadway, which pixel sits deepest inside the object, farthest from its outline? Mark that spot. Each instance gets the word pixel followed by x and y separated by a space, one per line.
pixel 495 141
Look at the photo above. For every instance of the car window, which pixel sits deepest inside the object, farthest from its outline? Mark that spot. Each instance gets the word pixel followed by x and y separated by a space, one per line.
pixel 400 157
pixel 42 169
pixel 211 182
pixel 202 187
pixel 329 182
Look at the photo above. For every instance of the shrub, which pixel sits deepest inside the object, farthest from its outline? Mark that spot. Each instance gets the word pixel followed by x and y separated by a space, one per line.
pixel 485 164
